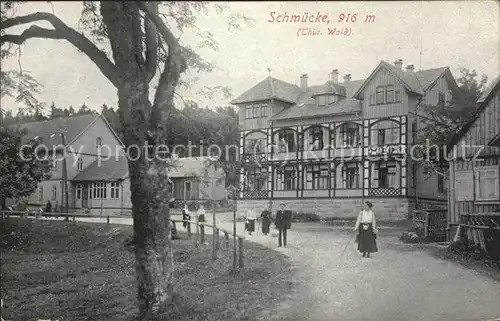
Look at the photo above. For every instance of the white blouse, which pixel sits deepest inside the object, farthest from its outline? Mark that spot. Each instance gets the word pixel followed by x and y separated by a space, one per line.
pixel 365 217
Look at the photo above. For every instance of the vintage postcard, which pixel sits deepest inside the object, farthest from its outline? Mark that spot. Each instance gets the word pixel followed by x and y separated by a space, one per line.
pixel 208 161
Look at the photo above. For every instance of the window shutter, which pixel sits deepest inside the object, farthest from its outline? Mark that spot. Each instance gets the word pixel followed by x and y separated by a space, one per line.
pixel 487 184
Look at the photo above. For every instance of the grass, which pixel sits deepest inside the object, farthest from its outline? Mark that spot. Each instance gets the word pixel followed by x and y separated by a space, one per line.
pixel 83 271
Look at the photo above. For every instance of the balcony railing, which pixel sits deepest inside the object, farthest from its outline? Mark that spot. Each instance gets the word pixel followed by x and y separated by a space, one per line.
pixel 387 192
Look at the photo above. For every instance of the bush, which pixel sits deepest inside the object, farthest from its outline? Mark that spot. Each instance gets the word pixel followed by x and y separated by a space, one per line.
pixel 305 217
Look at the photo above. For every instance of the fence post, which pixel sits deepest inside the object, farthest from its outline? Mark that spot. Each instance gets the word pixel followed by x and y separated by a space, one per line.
pixel 197 234
pixel 73 218
pixel 215 237
pixel 240 240
pixel 426 226
pixel 226 239
pixel 234 238
pixel 189 229
pixel 215 243
pixel 107 219
pixel 202 230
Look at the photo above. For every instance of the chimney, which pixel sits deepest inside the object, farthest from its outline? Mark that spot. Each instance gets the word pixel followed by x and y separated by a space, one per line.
pixel 334 76
pixel 410 68
pixel 347 78
pixel 399 64
pixel 303 82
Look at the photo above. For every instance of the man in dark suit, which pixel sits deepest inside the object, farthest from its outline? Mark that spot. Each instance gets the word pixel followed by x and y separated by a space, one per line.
pixel 283 223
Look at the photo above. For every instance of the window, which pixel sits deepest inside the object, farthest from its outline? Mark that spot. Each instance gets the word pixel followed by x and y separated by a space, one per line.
pixel 414 131
pixel 187 190
pixel 397 96
pixel 114 189
pixel 248 112
pixel 78 191
pixel 317 176
pixel 99 190
pixel 256 179
pixel 441 100
pixel 316 138
pixel 350 175
pixel 321 100
pixel 413 178
pixel 54 192
pixel 40 193
pixel 349 135
pixel 256 111
pixel 264 110
pixel 255 145
pixel 332 99
pixel 384 175
pixel 440 183
pixel 389 93
pixel 487 186
pixel 79 166
pixel 98 142
pixel 385 132
pixel 372 99
pixel 379 97
pixel 381 137
pixel 286 178
pixel 286 140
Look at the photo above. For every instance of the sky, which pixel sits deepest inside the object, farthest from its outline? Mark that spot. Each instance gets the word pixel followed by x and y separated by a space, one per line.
pixel 425 34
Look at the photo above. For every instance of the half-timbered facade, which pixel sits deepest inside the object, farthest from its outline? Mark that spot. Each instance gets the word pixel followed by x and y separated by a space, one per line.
pixel 474 199
pixel 326 148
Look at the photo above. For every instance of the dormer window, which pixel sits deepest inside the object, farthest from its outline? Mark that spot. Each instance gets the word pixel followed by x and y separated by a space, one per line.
pixel 324 100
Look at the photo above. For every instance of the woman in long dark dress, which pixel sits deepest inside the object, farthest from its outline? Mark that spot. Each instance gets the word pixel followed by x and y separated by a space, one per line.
pixel 366 231
pixel 185 216
pixel 266 221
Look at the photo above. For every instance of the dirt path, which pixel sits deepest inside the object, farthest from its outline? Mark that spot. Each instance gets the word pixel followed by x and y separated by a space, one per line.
pixel 398 283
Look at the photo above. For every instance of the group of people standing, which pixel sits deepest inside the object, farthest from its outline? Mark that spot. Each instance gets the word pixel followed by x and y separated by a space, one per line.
pixel 365 228
pixel 283 222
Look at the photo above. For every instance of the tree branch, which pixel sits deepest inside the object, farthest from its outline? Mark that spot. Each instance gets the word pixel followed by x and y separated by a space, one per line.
pixel 151 43
pixel 175 65
pixel 61 31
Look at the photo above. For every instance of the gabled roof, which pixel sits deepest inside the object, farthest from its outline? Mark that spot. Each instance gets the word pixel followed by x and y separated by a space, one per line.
pixel 483 102
pixel 409 79
pixel 428 77
pixel 104 170
pixel 71 126
pixel 269 88
pixel 304 103
pixel 345 106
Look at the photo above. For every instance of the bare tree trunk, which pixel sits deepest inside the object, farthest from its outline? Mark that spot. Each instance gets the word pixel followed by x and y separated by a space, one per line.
pixel 152 231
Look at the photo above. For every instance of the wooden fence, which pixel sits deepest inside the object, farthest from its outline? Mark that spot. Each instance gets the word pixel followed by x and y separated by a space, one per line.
pixel 482 229
pixel 200 235
pixel 432 222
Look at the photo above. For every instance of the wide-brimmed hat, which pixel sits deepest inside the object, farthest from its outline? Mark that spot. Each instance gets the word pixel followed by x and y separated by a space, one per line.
pixel 282 203
pixel 369 203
